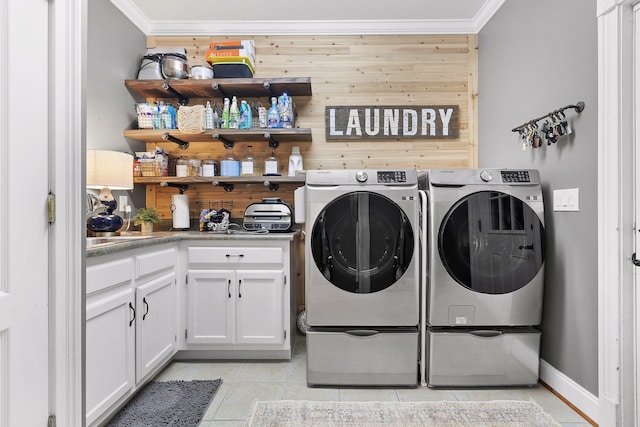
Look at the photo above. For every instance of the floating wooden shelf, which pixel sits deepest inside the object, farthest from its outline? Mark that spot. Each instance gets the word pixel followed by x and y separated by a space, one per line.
pixel 224 135
pixel 241 88
pixel 299 178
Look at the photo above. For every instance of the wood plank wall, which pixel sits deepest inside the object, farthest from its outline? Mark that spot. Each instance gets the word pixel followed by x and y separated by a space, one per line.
pixel 350 70
pixel 345 70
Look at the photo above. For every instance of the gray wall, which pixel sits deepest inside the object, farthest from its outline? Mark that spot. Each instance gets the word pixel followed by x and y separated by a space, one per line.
pixel 535 57
pixel 115 47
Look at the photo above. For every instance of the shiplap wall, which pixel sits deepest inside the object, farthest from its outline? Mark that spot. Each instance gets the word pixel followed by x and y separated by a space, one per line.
pixel 351 70
pixel 407 70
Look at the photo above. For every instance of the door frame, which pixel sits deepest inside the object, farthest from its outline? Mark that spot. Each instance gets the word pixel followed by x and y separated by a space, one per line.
pixel 67 110
pixel 616 229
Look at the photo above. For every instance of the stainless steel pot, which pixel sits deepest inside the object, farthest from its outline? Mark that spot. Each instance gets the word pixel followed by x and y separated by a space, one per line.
pixel 174 66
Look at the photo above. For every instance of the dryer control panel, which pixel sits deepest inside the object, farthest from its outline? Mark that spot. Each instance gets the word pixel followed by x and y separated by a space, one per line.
pixel 385 177
pixel 515 176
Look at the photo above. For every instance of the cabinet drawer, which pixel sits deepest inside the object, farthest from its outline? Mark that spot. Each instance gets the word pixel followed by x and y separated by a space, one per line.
pixel 107 274
pixel 239 255
pixel 154 262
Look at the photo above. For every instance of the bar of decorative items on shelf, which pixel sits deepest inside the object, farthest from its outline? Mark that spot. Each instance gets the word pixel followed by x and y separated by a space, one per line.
pixel 555 125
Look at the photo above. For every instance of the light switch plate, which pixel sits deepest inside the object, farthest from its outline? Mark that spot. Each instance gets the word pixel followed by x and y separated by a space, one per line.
pixel 567 200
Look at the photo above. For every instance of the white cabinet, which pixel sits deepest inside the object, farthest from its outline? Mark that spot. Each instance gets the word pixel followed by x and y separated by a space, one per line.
pixel 260 307
pixel 110 335
pixel 236 306
pixel 239 297
pixel 157 306
pixel 131 324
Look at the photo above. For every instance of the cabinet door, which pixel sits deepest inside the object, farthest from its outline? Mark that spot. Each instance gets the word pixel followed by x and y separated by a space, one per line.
pixel 110 351
pixel 260 306
pixel 156 324
pixel 210 309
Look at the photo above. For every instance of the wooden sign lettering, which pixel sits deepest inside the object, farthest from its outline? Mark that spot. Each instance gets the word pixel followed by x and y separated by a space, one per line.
pixel 391 122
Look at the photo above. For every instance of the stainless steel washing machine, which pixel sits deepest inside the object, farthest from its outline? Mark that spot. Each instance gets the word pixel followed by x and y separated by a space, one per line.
pixel 362 277
pixel 486 276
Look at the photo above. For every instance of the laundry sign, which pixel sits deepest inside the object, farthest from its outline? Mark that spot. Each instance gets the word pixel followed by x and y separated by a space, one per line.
pixel 392 122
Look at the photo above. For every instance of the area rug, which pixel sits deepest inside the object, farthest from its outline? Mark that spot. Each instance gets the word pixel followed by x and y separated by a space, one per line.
pixel 289 413
pixel 168 403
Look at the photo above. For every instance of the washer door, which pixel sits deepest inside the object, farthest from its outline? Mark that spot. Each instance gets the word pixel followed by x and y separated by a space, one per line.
pixel 362 242
pixel 491 242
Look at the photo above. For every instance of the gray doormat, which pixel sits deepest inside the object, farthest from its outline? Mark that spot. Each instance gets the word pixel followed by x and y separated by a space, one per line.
pixel 289 413
pixel 168 403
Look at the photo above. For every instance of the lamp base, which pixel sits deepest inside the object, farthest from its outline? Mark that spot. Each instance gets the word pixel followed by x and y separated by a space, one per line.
pixel 104 223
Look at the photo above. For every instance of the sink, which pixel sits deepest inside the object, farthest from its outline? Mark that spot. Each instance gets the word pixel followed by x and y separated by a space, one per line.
pixel 110 240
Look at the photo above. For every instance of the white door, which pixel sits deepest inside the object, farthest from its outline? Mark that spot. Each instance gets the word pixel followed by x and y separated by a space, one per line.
pixel 24 230
pixel 636 308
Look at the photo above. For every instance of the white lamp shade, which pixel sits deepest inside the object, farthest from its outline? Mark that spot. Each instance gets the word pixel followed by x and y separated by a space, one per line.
pixel 110 169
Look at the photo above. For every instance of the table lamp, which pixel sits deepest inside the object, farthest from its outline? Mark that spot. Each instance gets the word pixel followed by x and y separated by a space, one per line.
pixel 106 171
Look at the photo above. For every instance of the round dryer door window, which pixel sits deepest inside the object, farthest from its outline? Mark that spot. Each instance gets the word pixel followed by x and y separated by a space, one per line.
pixel 491 242
pixel 362 242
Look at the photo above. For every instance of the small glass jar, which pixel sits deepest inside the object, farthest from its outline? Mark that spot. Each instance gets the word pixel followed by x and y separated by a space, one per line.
pixel 209 167
pixel 182 167
pixel 195 167
pixel 249 165
pixel 271 165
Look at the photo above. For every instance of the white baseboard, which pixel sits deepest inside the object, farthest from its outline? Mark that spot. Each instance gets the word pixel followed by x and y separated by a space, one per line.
pixel 570 390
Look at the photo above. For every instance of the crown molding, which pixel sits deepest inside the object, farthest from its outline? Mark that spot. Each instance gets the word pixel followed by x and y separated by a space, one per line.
pixel 308 27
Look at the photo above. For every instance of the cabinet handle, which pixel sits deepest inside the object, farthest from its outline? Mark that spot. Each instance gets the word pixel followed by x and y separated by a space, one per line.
pixel 229 288
pixel 238 255
pixel 146 305
pixel 239 288
pixel 133 310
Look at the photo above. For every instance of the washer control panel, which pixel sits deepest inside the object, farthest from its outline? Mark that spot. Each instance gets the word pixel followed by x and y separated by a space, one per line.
pixel 392 176
pixel 515 176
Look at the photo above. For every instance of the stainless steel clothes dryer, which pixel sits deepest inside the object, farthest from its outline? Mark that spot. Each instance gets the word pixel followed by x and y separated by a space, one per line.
pixel 487 243
pixel 486 276
pixel 362 277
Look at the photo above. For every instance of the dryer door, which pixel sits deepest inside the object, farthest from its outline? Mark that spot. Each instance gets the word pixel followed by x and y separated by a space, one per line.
pixel 492 243
pixel 362 242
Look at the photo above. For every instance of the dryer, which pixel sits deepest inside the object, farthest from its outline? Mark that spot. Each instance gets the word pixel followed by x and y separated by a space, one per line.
pixel 486 242
pixel 362 277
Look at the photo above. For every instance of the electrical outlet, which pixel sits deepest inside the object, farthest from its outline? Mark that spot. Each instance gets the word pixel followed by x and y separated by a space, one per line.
pixel 123 201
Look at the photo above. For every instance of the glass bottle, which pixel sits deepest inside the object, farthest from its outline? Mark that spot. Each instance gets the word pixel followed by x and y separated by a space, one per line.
pixel 249 166
pixel 229 165
pixel 272 165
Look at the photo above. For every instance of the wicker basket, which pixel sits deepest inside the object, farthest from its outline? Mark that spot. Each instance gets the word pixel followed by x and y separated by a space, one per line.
pixel 150 168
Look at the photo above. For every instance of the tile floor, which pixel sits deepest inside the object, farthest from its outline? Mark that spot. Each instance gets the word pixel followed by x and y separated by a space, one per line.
pixel 245 381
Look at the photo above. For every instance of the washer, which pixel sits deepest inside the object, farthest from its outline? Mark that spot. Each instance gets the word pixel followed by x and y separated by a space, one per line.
pixel 362 288
pixel 486 243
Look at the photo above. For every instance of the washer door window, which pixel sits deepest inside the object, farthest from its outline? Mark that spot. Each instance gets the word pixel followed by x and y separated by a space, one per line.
pixel 491 242
pixel 362 242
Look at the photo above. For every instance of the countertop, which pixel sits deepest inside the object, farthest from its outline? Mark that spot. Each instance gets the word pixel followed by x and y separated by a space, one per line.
pixel 160 237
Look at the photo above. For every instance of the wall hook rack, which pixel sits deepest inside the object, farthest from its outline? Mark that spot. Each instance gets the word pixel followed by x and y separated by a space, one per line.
pixel 578 107
pixel 183 144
